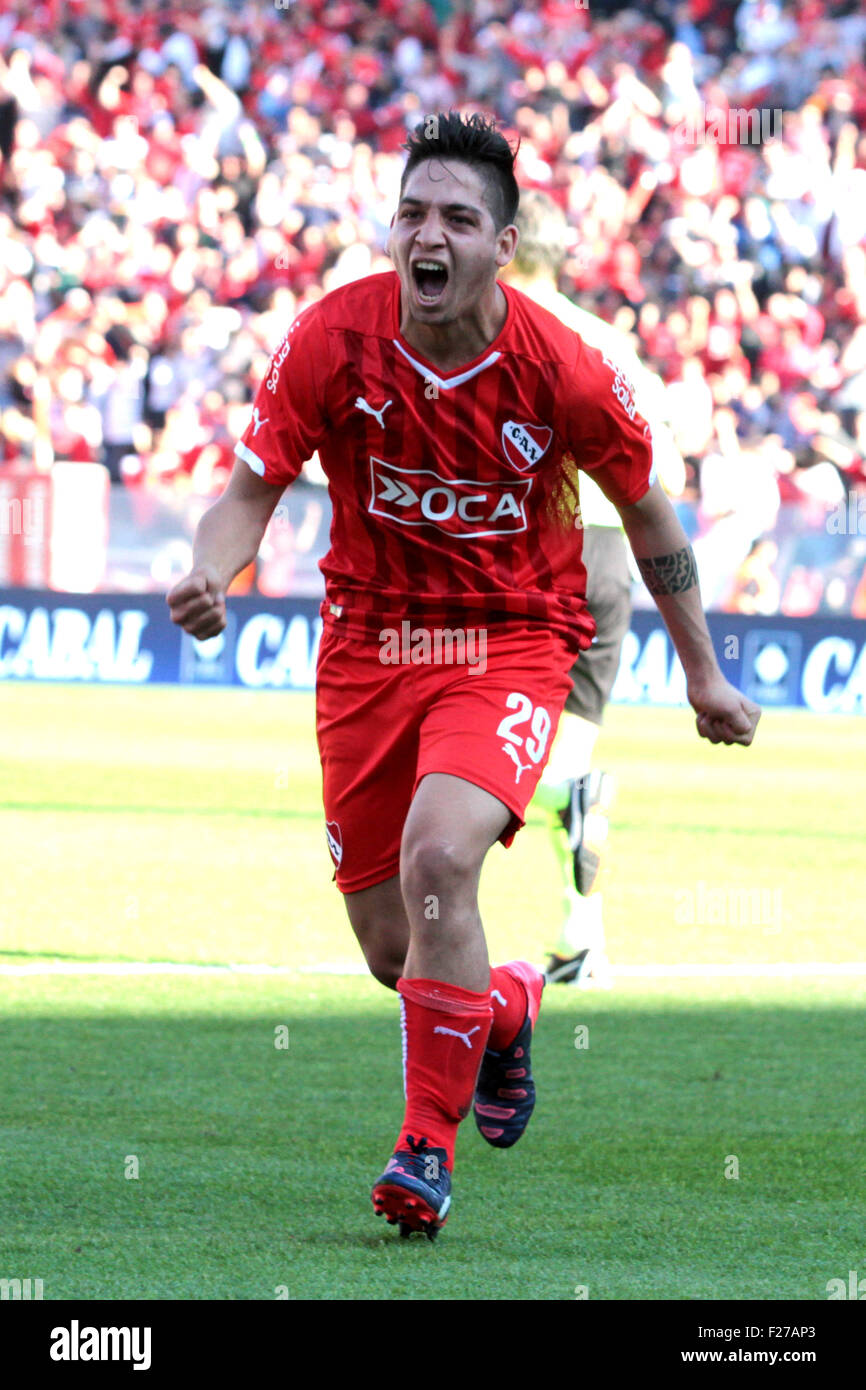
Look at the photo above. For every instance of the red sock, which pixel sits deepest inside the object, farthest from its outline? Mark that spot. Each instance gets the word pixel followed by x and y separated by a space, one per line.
pixel 445 1032
pixel 510 1001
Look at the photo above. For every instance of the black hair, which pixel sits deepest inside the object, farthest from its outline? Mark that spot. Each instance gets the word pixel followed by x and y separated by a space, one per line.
pixel 476 141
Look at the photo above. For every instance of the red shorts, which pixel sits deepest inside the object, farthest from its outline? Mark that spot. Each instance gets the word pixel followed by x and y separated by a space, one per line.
pixel 382 727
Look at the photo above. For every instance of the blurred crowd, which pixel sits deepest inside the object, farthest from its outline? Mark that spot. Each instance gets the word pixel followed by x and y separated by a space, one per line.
pixel 177 181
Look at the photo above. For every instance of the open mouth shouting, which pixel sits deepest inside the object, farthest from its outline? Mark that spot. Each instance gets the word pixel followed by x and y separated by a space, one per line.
pixel 430 278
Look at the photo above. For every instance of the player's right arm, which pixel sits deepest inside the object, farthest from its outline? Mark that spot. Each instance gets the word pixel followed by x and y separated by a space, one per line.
pixel 288 424
pixel 226 541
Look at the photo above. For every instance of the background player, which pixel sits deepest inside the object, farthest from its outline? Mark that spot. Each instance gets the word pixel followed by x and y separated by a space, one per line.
pixel 576 798
pixel 448 413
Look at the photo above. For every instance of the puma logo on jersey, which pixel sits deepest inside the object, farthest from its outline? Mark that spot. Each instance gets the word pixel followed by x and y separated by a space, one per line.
pixel 512 753
pixel 463 1036
pixel 257 421
pixel 361 404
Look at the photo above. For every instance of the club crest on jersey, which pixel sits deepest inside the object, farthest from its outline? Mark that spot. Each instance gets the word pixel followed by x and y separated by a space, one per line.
pixel 525 445
pixel 335 841
pixel 457 506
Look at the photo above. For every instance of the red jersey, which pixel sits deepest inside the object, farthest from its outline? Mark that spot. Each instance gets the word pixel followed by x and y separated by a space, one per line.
pixel 454 494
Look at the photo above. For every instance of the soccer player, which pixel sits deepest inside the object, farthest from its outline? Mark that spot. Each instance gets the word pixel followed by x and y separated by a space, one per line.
pixel 576 797
pixel 450 414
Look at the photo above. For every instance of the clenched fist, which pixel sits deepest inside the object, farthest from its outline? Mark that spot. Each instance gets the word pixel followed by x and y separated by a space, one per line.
pixel 724 715
pixel 198 603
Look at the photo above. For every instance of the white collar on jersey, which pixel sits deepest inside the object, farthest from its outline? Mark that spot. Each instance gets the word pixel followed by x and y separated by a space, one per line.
pixel 446 383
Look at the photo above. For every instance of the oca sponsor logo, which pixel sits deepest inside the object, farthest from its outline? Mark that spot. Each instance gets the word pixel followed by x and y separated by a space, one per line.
pixel 456 506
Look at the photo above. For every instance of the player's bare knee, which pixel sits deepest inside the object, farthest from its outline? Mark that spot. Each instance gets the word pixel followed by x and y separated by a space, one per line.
pixel 433 867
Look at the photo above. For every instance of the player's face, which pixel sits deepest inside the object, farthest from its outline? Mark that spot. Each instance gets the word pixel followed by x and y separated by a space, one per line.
pixel 444 243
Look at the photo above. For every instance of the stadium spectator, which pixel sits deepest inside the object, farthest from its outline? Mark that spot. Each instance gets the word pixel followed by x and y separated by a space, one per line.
pixel 121 399
pixel 148 160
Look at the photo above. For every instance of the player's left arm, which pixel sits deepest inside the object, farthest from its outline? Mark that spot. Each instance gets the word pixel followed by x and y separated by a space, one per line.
pixel 615 445
pixel 667 563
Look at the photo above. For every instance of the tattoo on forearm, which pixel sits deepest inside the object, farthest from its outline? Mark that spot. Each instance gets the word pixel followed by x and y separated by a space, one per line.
pixel 669 574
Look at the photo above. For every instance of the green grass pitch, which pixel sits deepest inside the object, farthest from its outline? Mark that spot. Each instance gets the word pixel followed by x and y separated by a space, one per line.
pixel 184 825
